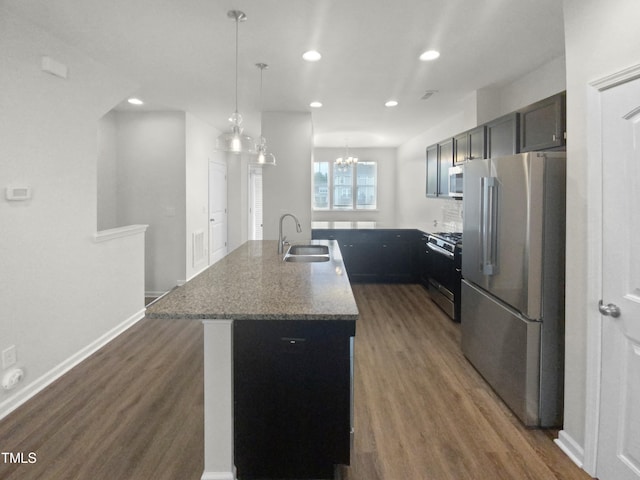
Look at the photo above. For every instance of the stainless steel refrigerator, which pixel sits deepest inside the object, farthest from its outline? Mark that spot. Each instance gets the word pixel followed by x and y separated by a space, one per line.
pixel 513 287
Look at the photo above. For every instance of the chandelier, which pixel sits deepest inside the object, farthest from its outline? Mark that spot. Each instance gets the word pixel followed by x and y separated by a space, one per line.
pixel 344 162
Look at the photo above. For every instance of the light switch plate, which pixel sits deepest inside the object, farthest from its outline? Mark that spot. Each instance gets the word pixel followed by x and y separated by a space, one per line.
pixel 9 356
pixel 22 192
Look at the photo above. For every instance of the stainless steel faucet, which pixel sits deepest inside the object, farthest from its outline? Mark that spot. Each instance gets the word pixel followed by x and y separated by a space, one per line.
pixel 281 239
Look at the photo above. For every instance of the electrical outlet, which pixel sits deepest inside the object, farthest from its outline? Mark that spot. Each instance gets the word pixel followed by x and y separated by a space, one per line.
pixel 9 356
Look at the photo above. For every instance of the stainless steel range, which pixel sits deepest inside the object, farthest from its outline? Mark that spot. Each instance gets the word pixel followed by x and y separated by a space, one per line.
pixel 445 271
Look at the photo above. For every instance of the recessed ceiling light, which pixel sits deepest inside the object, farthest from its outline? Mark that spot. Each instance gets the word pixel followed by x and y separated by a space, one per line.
pixel 429 55
pixel 315 104
pixel 391 103
pixel 135 101
pixel 311 56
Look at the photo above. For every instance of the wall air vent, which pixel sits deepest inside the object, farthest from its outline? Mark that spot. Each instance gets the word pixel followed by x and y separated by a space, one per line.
pixel 198 248
pixel 428 94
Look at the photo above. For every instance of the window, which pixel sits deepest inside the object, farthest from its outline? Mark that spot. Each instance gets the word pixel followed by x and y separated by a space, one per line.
pixel 366 185
pixel 350 187
pixel 321 185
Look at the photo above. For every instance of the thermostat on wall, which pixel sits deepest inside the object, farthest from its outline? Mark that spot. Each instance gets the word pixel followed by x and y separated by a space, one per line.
pixel 19 193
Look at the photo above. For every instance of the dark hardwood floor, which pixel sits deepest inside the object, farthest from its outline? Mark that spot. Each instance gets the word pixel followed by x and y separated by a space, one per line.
pixel 134 409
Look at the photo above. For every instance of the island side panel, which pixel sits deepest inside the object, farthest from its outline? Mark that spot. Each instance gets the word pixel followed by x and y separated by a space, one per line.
pixel 292 397
pixel 218 400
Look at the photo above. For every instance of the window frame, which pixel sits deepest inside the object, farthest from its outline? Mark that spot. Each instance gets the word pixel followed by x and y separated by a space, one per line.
pixel 354 186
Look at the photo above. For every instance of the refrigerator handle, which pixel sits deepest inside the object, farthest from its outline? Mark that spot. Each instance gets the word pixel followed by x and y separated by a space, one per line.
pixel 488 228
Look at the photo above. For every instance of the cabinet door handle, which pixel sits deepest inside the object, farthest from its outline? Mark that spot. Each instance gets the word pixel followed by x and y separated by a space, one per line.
pixel 554 137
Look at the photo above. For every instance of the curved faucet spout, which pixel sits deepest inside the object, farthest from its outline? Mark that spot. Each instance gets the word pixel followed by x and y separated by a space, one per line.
pixel 282 239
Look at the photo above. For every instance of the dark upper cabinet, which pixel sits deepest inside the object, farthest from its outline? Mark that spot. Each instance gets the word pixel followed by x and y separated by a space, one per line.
pixel 460 148
pixel 469 145
pixel 542 124
pixel 432 171
pixel 477 143
pixel 439 160
pixel 445 161
pixel 502 136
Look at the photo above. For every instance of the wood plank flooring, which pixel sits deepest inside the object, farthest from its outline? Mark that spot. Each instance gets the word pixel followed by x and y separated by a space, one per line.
pixel 423 412
pixel 134 409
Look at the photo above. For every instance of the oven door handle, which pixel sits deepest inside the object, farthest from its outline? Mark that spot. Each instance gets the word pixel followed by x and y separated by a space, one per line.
pixel 440 250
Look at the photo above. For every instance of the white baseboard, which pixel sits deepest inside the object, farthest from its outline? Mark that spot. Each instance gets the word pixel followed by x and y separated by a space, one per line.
pixel 218 476
pixel 56 372
pixel 198 272
pixel 570 447
pixel 154 294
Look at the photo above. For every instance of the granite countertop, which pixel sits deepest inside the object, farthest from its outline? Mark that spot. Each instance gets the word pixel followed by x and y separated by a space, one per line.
pixel 254 283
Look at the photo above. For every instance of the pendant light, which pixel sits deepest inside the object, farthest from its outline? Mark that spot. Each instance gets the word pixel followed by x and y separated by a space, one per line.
pixel 263 157
pixel 235 141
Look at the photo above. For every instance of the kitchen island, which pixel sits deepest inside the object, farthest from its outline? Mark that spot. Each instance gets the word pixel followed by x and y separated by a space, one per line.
pixel 254 289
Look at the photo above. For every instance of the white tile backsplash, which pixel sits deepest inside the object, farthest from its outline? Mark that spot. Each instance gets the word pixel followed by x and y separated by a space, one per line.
pixel 451 216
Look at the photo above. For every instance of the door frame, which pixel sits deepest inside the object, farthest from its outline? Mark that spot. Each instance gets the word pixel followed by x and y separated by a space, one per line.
pixel 594 251
pixel 221 163
pixel 253 170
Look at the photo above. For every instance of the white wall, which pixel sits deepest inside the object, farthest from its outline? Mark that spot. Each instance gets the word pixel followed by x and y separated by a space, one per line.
pixel 287 186
pixel 540 83
pixel 237 199
pixel 152 190
pixel 200 144
pixel 153 169
pixel 415 210
pixel 60 292
pixel 107 189
pixel 385 214
pixel 601 39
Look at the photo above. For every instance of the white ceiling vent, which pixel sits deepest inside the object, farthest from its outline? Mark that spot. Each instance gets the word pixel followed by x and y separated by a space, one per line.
pixel 428 94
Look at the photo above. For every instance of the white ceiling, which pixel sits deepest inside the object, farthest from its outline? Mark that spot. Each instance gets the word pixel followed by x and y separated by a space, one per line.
pixel 181 53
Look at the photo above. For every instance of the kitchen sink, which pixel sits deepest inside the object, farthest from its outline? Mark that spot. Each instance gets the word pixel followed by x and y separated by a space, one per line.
pixel 308 250
pixel 307 253
pixel 306 258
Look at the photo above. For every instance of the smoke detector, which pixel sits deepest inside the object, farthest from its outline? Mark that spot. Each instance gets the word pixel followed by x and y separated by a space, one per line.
pixel 428 94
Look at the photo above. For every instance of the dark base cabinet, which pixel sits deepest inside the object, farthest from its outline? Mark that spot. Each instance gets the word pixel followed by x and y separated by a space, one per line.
pixel 292 397
pixel 376 256
pixel 424 256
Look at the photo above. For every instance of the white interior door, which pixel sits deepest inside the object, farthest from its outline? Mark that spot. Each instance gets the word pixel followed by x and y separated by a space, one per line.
pixel 217 211
pixel 619 426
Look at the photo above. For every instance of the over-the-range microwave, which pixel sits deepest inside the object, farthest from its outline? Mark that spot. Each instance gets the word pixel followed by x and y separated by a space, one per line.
pixel 455 181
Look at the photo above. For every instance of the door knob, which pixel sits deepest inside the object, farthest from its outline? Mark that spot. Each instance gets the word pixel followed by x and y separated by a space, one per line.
pixel 609 309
